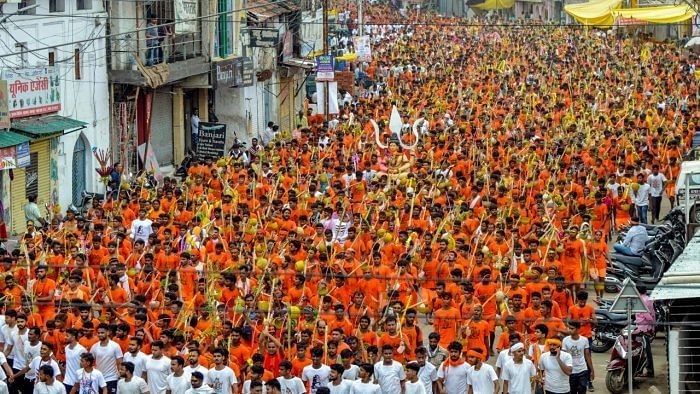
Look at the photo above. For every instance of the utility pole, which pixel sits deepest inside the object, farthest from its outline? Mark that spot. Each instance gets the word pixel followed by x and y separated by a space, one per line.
pixel 325 52
pixel 360 19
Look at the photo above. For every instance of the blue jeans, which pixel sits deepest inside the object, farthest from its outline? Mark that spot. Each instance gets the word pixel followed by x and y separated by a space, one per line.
pixel 622 249
pixel 578 382
pixel 642 213
pixel 154 53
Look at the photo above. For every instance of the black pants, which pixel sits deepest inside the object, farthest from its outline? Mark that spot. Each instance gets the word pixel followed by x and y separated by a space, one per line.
pixel 647 349
pixel 552 392
pixel 655 203
pixel 21 385
pixel 578 382
pixel 112 387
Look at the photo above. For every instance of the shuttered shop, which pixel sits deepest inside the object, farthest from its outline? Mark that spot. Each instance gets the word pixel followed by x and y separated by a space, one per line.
pixel 34 179
pixel 162 127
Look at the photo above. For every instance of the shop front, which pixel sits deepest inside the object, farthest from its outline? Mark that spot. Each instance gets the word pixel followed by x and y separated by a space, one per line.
pixel 35 164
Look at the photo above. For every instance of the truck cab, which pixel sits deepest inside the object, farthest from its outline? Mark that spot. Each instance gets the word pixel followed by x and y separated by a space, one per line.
pixel 691 171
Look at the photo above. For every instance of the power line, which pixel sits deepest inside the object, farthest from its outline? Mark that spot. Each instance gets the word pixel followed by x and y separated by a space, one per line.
pixel 146 28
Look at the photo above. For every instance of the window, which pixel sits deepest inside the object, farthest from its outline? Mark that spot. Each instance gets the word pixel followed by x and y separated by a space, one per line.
pixel 26 3
pixel 57 5
pixel 76 60
pixel 84 4
pixel 21 47
pixel 52 57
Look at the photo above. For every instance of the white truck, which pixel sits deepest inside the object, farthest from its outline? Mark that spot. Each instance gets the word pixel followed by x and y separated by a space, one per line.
pixel 691 171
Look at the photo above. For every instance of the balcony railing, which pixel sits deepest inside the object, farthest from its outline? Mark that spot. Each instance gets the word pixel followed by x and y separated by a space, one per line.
pixel 156 39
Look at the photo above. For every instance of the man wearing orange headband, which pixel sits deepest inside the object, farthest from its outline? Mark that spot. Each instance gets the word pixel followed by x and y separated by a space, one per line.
pixel 555 367
pixel 482 377
pixel 452 374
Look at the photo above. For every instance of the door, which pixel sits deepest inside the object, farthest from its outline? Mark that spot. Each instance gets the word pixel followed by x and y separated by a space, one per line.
pixel 79 164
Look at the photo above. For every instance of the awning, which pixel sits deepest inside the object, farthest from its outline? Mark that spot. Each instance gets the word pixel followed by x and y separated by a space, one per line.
pixel 489 5
pixel 261 10
pixel 594 13
pixel 8 139
pixel 682 279
pixel 47 125
pixel 300 63
pixel 661 14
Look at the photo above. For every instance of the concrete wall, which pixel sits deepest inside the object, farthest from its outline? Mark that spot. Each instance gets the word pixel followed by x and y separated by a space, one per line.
pixel 86 99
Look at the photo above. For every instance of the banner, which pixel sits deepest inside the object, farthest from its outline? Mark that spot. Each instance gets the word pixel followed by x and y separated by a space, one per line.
pixel 363 48
pixel 23 158
pixel 4 106
pixel 33 91
pixel 212 140
pixel 151 161
pixel 7 158
pixel 325 68
pixel 332 98
pixel 237 72
pixel 186 16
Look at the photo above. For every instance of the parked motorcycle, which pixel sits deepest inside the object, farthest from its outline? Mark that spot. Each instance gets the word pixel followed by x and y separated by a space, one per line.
pixel 616 376
pixel 608 327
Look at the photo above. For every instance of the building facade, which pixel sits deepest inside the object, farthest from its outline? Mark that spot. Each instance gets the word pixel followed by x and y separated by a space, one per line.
pixel 54 65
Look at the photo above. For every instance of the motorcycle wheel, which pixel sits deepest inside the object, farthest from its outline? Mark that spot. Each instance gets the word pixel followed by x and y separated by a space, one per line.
pixel 601 345
pixel 616 381
pixel 611 289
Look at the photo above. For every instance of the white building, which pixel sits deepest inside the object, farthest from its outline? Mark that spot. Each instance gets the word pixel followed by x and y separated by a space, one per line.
pixel 65 38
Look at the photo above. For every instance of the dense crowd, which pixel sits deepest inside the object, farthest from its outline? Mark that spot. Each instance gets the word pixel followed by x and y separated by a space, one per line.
pixel 338 259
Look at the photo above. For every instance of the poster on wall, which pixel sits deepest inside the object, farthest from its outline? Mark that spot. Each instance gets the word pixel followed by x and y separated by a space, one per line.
pixel 7 158
pixel 4 106
pixel 185 16
pixel 325 68
pixel 33 91
pixel 211 142
pixel 23 157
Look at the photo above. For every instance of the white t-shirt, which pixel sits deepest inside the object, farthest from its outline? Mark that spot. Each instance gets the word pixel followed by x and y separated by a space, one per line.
pixel 454 378
pixel 656 183
pixel 3 388
pixel 17 341
pixel 222 380
pixel 364 388
pixel 482 379
pixel 90 382
pixel 38 362
pixel 139 361
pixel 246 387
pixel 141 229
pixel 503 358
pixel 427 374
pixel 342 388
pixel 30 353
pixel 106 359
pixel 6 332
pixel 415 388
pixel 352 372
pixel 178 385
pixel 316 377
pixel 56 388
pixel 3 360
pixel 292 386
pixel 389 377
pixel 188 370
pixel 555 380
pixel 518 376
pixel 135 386
pixel 73 363
pixel 576 348
pixel 157 371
